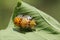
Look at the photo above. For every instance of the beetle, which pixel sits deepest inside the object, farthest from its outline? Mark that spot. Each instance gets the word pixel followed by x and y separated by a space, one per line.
pixel 24 21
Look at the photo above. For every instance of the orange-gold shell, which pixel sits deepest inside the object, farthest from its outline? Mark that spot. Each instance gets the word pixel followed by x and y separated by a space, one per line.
pixel 32 23
pixel 17 21
pixel 24 22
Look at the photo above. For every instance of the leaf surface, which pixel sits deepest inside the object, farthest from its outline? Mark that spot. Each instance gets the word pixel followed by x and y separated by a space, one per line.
pixel 46 25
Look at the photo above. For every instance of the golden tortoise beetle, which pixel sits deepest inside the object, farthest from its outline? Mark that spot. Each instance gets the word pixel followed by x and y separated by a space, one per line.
pixel 24 21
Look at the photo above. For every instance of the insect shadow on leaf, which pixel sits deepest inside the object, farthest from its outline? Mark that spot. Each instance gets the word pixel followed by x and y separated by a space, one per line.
pixel 24 30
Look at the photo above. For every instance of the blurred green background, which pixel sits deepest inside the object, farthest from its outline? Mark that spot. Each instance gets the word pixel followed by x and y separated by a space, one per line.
pixel 51 7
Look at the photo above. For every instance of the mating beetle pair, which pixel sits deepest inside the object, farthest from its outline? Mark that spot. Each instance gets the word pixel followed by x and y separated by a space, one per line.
pixel 24 21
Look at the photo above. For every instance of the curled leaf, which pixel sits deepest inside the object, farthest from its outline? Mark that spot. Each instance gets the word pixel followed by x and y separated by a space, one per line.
pixel 44 22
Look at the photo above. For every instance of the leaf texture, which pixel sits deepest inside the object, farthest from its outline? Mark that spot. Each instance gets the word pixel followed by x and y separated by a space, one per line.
pixel 43 20
pixel 46 25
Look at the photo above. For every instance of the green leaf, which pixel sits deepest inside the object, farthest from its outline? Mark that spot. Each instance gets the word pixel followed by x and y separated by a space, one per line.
pixel 45 25
pixel 43 20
